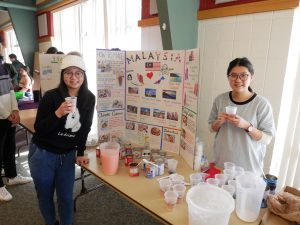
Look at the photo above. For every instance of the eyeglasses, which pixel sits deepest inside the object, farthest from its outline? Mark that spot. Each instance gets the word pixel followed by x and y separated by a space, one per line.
pixel 77 74
pixel 235 76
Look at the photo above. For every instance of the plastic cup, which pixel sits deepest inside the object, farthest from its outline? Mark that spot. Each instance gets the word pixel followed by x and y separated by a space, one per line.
pixel 239 171
pixel 72 100
pixel 204 176
pixel 177 179
pixel 232 182
pixel 208 204
pixel 110 157
pixel 229 165
pixel 229 173
pixel 229 188
pixel 212 181
pixel 231 110
pixel 195 178
pixel 180 189
pixel 172 165
pixel 222 178
pixel 165 184
pixel 171 199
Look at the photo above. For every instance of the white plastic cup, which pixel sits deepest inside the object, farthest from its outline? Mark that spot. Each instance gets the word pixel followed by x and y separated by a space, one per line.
pixel 195 178
pixel 180 189
pixel 165 184
pixel 239 171
pixel 231 110
pixel 229 188
pixel 229 173
pixel 171 199
pixel 213 181
pixel 233 183
pixel 72 100
pixel 229 165
pixel 222 178
pixel 172 165
pixel 208 204
pixel 177 179
pixel 204 176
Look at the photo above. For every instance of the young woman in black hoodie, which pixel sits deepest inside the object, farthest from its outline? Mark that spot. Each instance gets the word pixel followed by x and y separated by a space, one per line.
pixel 61 132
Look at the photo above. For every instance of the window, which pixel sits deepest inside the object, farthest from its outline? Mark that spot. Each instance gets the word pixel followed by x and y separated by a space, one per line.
pixel 13 45
pixel 98 24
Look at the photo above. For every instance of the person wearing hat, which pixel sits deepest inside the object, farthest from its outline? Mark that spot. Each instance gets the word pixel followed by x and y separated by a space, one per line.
pixel 59 140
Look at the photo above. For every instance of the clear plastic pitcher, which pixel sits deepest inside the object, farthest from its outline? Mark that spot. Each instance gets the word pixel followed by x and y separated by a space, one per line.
pixel 249 194
pixel 209 205
pixel 110 157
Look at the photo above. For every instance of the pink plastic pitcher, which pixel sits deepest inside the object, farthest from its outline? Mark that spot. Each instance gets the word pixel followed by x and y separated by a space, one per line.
pixel 110 157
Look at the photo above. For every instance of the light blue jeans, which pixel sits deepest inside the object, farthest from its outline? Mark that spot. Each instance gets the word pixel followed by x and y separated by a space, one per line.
pixel 52 172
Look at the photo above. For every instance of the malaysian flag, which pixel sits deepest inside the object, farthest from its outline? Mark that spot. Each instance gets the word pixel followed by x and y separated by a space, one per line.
pixel 152 66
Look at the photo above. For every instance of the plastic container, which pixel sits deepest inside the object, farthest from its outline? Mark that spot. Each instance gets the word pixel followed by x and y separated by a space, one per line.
pixel 249 194
pixel 19 95
pixel 209 205
pixel 110 157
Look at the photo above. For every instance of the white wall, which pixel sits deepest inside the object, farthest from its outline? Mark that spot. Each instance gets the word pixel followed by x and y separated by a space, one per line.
pixel 151 38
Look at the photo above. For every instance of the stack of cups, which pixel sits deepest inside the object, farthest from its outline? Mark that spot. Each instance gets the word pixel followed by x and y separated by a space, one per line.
pixel 195 179
pixel 173 189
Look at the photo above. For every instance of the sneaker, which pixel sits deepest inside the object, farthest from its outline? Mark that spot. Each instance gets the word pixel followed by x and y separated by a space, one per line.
pixel 5 195
pixel 19 180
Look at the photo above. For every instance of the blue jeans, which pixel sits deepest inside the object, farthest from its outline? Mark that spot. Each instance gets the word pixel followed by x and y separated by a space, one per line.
pixel 52 172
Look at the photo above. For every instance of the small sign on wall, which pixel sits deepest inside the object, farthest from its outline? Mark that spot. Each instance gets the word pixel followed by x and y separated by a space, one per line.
pixel 223 1
pixel 45 24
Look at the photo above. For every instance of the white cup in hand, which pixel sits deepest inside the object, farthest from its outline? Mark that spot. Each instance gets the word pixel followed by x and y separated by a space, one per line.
pixel 72 100
pixel 231 110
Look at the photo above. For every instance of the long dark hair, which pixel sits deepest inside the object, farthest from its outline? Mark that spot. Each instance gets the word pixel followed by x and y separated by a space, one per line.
pixel 245 62
pixel 83 94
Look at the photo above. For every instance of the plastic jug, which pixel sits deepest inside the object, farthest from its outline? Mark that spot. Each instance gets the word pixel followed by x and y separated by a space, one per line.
pixel 209 205
pixel 110 157
pixel 249 194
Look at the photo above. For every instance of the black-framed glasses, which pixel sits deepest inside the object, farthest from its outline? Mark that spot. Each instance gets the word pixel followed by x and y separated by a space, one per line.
pixel 77 74
pixel 235 76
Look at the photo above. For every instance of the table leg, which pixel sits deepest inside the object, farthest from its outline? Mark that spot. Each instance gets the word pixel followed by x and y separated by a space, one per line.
pixel 84 190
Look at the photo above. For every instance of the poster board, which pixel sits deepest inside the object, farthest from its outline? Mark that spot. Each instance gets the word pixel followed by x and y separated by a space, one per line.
pixel 160 89
pixel 50 65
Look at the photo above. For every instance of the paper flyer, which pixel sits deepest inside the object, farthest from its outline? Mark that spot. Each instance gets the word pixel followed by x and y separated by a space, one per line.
pixel 50 69
pixel 154 84
pixel 110 80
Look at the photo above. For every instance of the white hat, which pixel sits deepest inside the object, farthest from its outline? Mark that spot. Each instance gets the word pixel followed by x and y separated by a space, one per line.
pixel 73 60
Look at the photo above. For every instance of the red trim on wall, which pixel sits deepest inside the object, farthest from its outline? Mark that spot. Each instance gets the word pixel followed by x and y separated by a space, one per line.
pixel 146 10
pixel 210 4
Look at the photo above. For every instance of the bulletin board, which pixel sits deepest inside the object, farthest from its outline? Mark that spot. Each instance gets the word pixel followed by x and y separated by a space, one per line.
pixel 149 95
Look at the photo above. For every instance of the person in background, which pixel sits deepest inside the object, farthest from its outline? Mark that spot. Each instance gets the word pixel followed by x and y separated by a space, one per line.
pixel 52 50
pixel 60 132
pixel 11 71
pixel 9 118
pixel 241 138
pixel 26 81
pixel 16 64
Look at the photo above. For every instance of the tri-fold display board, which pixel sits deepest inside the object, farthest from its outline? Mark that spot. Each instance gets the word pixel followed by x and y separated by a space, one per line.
pixel 142 96
pixel 149 96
